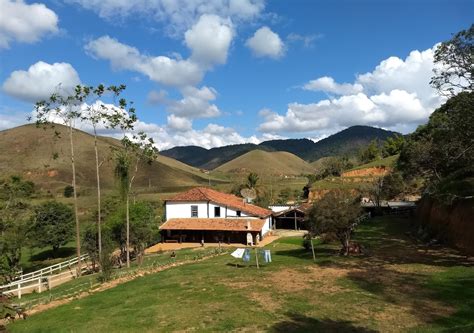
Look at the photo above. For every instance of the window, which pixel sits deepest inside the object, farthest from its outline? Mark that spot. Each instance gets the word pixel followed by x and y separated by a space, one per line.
pixel 194 211
pixel 217 211
pixel 238 213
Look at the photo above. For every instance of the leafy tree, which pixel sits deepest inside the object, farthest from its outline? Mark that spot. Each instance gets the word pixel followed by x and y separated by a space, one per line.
pixel 333 167
pixel 392 185
pixel 252 180
pixel 142 229
pixel 336 213
pixel 393 145
pixel 370 153
pixel 454 70
pixel 14 212
pixel 443 146
pixel 52 225
pixel 12 240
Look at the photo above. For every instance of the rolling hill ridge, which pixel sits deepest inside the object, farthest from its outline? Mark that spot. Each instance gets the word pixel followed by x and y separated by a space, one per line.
pixel 346 142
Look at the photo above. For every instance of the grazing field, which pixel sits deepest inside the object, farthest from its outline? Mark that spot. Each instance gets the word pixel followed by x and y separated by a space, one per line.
pixel 398 285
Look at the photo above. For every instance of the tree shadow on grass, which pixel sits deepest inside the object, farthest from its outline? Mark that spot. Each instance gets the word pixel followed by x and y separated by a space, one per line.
pixel 438 298
pixel 61 253
pixel 300 323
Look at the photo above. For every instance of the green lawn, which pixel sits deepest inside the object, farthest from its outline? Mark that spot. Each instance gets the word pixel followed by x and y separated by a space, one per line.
pixel 398 286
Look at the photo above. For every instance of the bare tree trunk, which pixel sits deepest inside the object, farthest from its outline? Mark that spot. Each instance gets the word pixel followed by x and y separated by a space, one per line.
pixel 312 248
pixel 128 213
pixel 78 233
pixel 99 217
pixel 128 230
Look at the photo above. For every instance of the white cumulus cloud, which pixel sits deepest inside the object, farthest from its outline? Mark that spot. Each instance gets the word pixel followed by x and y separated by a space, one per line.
pixel 396 95
pixel 162 69
pixel 209 39
pixel 41 80
pixel 179 123
pixel 266 43
pixel 327 84
pixel 196 103
pixel 177 15
pixel 26 23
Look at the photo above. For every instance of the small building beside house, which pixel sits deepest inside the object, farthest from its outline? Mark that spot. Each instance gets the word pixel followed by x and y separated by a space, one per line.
pixel 206 215
pixel 290 216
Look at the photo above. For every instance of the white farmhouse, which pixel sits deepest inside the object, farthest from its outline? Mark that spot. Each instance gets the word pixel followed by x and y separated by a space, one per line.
pixel 205 215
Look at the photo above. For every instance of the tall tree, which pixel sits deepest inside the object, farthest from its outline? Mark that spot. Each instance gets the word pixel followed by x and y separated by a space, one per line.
pixel 454 64
pixel 97 114
pixel 66 107
pixel 137 149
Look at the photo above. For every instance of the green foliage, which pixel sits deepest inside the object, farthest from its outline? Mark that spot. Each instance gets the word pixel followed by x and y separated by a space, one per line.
pixel 12 240
pixel 91 246
pixel 68 191
pixel 392 146
pixel 454 59
pixel 122 172
pixel 443 146
pixel 369 153
pixel 14 212
pixel 143 227
pixel 15 188
pixel 52 224
pixel 284 196
pixel 252 180
pixel 392 186
pixel 336 213
pixel 333 167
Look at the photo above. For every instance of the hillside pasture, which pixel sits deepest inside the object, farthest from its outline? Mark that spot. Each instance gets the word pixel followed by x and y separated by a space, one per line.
pixel 398 285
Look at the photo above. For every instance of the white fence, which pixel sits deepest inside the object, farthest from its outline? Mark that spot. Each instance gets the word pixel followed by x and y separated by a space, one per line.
pixel 44 279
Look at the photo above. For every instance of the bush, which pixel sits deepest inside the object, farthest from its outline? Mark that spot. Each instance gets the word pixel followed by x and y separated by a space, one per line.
pixel 68 191
pixel 107 266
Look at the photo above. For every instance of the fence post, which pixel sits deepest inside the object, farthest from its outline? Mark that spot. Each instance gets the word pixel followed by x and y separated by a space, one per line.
pixel 39 285
pixel 19 290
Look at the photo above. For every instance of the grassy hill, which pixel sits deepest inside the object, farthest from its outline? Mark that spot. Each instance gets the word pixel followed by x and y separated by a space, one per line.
pixel 267 163
pixel 28 151
pixel 383 162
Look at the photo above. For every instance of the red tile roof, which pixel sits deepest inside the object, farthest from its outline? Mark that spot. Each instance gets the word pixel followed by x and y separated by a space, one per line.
pixel 216 224
pixel 229 200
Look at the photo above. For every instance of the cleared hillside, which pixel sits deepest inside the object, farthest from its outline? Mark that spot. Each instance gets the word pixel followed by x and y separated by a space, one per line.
pixel 28 151
pixel 267 163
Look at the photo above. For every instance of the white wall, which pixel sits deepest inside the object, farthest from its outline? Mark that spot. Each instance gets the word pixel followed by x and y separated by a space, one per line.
pixel 267 226
pixel 183 209
pixel 233 213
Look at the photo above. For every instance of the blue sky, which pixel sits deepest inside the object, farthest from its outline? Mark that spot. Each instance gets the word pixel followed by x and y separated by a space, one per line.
pixel 219 72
